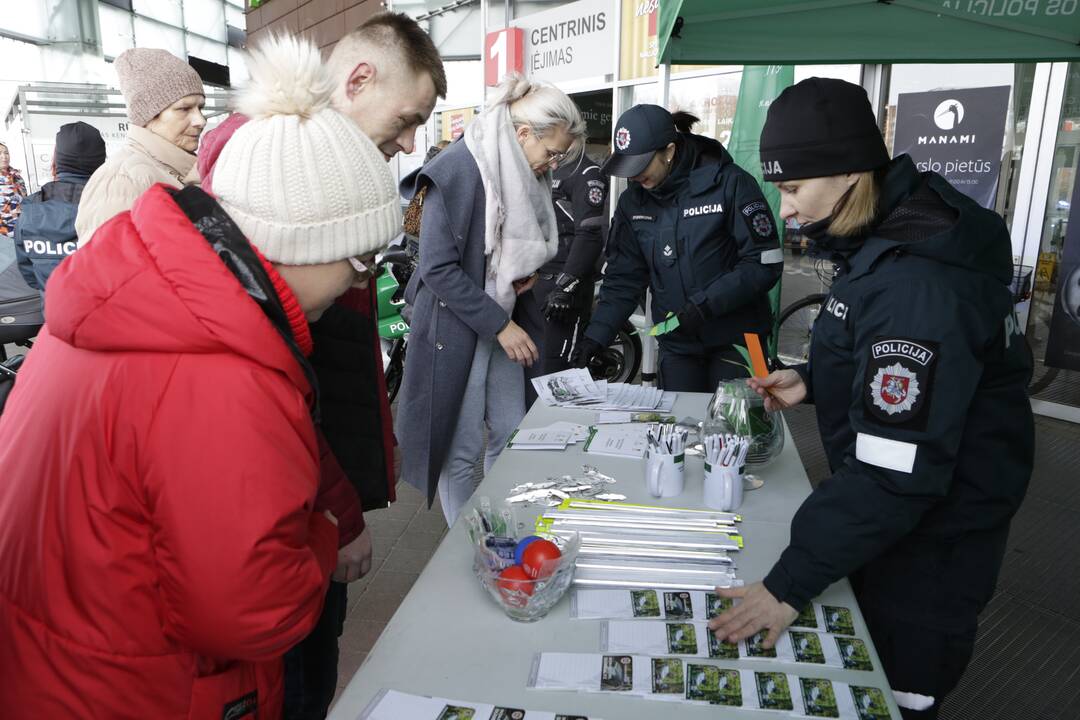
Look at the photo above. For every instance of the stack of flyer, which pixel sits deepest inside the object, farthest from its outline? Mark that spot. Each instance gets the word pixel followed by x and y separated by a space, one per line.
pixel 576 388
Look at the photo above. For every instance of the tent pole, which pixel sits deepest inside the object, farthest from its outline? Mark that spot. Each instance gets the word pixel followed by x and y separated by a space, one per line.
pixel 875 80
pixel 663 79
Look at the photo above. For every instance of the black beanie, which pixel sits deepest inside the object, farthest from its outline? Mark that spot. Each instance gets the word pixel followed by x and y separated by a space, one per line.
pixel 79 149
pixel 820 127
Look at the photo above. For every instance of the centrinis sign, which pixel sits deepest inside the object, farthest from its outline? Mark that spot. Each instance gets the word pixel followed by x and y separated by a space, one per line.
pixel 957 134
pixel 570 42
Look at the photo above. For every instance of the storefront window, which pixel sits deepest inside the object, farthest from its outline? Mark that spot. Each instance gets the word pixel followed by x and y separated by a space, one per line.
pixel 1053 320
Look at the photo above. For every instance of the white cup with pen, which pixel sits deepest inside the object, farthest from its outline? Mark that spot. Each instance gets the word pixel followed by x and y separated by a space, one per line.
pixel 665 474
pixel 725 455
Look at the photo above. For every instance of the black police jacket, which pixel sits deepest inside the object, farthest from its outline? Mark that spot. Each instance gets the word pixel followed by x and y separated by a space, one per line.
pixel 918 370
pixel 579 192
pixel 45 233
pixel 705 236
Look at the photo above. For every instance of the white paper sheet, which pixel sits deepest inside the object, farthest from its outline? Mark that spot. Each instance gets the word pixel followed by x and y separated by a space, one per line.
pixel 395 705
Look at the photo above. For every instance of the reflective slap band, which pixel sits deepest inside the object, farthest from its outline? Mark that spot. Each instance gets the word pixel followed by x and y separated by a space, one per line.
pixel 913 701
pixel 770 257
pixel 885 453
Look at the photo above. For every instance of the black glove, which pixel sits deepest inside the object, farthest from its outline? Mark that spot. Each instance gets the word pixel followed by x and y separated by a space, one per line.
pixel 585 350
pixel 691 318
pixel 560 305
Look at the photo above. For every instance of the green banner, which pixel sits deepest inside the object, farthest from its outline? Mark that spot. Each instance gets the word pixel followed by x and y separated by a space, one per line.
pixel 760 85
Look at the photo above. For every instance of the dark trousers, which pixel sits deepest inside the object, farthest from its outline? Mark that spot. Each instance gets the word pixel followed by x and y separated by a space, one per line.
pixel 699 373
pixel 311 668
pixel 553 339
pixel 917 659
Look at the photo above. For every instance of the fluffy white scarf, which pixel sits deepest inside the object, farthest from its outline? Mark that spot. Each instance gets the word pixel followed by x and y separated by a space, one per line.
pixel 520 232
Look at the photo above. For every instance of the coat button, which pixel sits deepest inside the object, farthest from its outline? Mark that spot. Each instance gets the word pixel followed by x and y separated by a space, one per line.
pixel 442 304
pixel 438 346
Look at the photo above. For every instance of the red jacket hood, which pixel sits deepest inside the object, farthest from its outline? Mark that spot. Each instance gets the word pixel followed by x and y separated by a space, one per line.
pixel 150 282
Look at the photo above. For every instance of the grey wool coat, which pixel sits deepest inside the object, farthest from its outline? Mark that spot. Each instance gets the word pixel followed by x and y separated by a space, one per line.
pixel 450 311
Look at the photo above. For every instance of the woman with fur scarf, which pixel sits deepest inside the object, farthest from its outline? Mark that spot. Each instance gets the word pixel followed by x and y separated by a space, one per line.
pixel 488 224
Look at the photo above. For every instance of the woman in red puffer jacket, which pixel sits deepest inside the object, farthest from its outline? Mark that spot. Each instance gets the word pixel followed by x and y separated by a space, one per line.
pixel 157 524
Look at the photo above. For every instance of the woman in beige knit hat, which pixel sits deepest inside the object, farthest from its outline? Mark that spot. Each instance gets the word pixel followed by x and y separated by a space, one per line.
pixel 165 98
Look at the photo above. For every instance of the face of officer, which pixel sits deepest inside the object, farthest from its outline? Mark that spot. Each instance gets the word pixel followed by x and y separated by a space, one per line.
pixel 544 151
pixel 812 199
pixel 656 172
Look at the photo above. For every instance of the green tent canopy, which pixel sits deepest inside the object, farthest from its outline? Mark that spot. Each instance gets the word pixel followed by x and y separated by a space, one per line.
pixel 767 32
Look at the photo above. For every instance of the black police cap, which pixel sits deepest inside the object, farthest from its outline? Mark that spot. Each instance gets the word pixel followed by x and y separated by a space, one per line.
pixel 640 132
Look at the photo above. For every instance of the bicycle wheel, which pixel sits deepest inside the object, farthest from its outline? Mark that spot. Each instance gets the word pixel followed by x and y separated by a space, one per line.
pixel 796 323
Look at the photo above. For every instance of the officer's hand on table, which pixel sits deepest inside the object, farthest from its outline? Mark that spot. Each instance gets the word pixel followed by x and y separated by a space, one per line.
pixel 759 610
pixel 354 560
pixel 585 350
pixel 517 344
pixel 691 318
pixel 781 389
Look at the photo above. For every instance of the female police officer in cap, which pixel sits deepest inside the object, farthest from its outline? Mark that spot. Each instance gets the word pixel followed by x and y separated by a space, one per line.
pixel 694 227
pixel 918 371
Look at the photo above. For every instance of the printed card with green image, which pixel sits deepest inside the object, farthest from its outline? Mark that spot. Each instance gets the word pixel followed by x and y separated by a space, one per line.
pixel 854 653
pixel 773 690
pixel 502 713
pixel 838 620
pixel 722 649
pixel 667 676
pixel 870 703
pixel 755 646
pixel 682 639
pixel 702 682
pixel 819 698
pixel 807 647
pixel 645 603
pixel 729 690
pixel 617 673
pixel 455 712
pixel 677 606
pixel 807 618
pixel 716 605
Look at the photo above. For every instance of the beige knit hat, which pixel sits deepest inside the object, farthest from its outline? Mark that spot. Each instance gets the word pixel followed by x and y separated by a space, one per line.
pixel 152 80
pixel 300 179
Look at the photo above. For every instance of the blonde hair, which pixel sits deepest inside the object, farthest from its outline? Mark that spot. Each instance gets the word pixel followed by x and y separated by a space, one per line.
pixel 858 207
pixel 541 107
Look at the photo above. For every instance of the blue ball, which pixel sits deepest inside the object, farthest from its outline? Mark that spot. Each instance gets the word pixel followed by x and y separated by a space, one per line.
pixel 522 544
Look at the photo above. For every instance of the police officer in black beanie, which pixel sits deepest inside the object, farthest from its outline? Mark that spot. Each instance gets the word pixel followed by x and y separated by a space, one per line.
pixel 695 229
pixel 45 233
pixel 918 370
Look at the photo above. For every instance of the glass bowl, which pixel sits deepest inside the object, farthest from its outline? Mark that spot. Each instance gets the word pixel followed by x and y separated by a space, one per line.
pixel 528 600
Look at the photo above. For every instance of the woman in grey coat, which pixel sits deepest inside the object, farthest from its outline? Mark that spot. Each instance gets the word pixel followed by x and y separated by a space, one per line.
pixel 488 224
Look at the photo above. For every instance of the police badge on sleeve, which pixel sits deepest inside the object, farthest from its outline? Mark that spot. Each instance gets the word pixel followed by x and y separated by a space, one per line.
pixel 899 377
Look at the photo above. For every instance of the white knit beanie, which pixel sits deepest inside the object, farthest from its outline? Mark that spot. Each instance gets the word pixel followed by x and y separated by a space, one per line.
pixel 300 179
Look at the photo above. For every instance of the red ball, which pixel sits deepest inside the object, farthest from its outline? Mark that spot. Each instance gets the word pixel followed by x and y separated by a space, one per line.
pixel 512 580
pixel 540 558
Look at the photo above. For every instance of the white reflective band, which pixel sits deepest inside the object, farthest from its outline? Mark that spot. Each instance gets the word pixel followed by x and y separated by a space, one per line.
pixel 913 701
pixel 885 453
pixel 772 256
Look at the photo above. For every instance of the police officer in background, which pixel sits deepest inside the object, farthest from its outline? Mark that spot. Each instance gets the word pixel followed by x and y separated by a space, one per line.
pixel 694 228
pixel 919 372
pixel 556 310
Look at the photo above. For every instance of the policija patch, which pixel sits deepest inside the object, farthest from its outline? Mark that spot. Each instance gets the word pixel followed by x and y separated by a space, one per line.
pixel 756 215
pixel 899 374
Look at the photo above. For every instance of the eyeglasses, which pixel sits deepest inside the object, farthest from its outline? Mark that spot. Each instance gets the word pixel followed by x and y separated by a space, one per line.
pixel 553 156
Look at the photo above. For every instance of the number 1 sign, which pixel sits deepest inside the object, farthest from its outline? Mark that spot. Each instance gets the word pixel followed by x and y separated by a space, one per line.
pixel 503 53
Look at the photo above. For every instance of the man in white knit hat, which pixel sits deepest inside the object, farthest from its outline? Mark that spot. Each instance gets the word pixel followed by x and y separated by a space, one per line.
pixel 163 556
